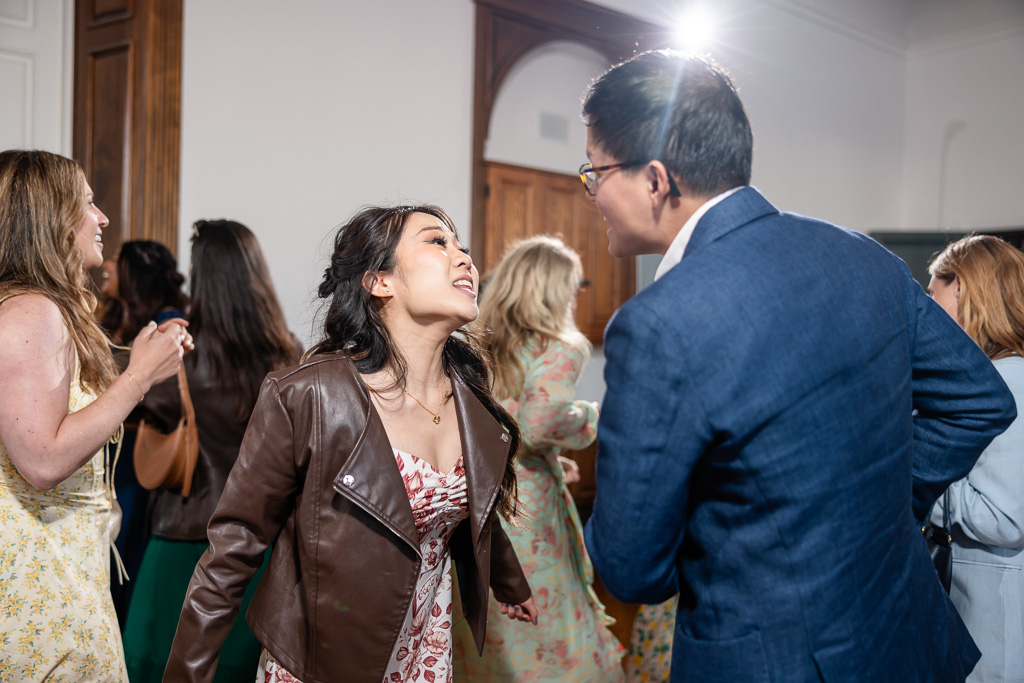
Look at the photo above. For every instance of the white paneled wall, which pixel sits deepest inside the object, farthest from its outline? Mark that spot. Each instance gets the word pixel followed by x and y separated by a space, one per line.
pixel 36 74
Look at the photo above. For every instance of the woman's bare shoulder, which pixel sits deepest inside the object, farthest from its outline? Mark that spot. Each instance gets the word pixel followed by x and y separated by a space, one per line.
pixel 33 320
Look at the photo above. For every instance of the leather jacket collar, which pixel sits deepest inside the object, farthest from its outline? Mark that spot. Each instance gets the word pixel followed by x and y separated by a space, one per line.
pixel 380 490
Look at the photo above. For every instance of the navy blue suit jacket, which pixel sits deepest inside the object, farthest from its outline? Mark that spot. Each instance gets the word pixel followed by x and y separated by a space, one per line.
pixel 783 408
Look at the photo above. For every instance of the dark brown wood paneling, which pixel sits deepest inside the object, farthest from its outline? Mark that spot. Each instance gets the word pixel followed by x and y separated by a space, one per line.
pixel 103 11
pixel 127 107
pixel 109 83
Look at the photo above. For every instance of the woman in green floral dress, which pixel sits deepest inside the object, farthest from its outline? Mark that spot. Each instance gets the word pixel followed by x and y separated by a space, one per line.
pixel 539 354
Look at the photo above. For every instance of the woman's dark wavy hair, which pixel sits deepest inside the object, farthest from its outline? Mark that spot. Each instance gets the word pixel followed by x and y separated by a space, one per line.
pixel 148 282
pixel 354 325
pixel 236 319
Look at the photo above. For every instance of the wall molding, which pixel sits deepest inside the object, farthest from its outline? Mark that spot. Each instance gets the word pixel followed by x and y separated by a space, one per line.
pixel 861 34
pixel 963 41
pixel 27 64
pixel 24 19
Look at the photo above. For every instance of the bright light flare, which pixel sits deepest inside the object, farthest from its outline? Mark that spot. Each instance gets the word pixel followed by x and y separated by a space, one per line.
pixel 695 29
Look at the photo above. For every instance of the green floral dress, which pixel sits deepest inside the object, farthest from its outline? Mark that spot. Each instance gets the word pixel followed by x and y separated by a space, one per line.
pixel 57 620
pixel 572 640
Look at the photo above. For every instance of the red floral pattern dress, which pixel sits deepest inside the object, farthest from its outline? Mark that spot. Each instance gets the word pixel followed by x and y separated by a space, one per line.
pixel 423 653
pixel 424 648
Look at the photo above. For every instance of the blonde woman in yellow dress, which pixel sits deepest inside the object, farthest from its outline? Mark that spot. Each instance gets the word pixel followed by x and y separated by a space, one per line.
pixel 62 401
pixel 538 355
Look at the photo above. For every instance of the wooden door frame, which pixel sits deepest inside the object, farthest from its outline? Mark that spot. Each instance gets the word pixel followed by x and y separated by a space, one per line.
pixel 507 30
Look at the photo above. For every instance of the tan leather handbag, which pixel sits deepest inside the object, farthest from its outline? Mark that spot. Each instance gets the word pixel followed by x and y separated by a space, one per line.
pixel 168 461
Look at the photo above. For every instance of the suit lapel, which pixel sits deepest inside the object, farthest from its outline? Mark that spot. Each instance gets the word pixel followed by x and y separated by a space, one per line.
pixel 745 206
pixel 484 454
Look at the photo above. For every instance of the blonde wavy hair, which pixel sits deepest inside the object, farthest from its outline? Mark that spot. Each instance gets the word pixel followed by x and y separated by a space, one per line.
pixel 42 202
pixel 530 294
pixel 991 303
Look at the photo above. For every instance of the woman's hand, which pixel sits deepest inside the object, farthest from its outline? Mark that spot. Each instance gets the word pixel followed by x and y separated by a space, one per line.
pixel 156 353
pixel 186 343
pixel 526 611
pixel 570 469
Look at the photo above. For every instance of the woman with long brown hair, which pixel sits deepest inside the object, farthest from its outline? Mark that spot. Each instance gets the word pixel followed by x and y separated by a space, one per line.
pixel 979 281
pixel 240 335
pixel 373 467
pixel 62 402
pixel 539 353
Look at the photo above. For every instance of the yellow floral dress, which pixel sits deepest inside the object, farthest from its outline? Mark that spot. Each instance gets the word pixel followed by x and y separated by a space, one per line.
pixel 57 620
pixel 650 644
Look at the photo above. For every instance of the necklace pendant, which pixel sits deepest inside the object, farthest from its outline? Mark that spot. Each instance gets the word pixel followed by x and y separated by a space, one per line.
pixel 437 418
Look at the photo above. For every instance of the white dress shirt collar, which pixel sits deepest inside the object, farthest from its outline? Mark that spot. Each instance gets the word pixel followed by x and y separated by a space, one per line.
pixel 674 254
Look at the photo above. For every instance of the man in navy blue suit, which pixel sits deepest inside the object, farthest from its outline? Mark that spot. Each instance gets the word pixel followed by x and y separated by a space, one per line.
pixel 784 404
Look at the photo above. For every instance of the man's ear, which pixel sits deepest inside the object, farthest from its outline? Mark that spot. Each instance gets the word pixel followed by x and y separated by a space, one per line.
pixel 658 185
pixel 378 284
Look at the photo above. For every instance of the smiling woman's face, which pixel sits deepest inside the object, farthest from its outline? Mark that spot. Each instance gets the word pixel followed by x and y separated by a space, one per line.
pixel 434 279
pixel 90 232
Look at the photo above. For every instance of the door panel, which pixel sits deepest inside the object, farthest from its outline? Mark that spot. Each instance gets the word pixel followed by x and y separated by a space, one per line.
pixel 523 202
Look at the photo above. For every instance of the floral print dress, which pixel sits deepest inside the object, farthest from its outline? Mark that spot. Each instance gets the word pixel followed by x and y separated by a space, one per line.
pixel 423 653
pixel 572 641
pixel 57 620
pixel 650 643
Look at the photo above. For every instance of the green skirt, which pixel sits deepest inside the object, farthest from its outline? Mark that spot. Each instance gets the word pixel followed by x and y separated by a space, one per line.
pixel 156 605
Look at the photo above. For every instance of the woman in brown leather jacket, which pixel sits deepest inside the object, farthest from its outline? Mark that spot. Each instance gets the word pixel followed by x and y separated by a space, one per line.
pixel 240 335
pixel 372 468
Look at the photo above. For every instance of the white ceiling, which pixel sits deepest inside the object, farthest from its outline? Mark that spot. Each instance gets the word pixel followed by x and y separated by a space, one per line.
pixel 915 26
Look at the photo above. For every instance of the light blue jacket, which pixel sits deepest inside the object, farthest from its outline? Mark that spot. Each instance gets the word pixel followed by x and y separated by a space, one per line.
pixel 986 513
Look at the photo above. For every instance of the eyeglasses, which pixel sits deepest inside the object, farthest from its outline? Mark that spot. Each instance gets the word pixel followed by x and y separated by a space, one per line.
pixel 588 174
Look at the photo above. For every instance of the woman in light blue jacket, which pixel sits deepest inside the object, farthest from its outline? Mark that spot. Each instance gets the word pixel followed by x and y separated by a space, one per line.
pixel 979 281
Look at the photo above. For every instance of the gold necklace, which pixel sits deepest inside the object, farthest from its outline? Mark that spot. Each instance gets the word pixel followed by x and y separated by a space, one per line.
pixel 435 414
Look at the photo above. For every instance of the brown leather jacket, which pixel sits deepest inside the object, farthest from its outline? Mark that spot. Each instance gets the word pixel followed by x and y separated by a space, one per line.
pixel 316 477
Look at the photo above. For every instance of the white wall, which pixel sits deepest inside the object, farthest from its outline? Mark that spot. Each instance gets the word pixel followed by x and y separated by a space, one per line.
pixel 965 138
pixel 294 115
pixel 826 109
pixel 549 81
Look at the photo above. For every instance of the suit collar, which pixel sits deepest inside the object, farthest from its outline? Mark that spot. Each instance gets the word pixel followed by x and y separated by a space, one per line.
pixel 741 208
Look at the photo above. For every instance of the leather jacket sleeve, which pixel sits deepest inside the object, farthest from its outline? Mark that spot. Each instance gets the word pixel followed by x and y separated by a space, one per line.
pixel 259 496
pixel 508 581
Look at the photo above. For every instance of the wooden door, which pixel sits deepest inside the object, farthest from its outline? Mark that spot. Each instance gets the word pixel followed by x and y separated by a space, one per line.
pixel 127 106
pixel 523 202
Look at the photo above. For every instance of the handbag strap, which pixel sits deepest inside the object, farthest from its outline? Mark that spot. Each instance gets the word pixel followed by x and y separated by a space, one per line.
pixel 188 411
